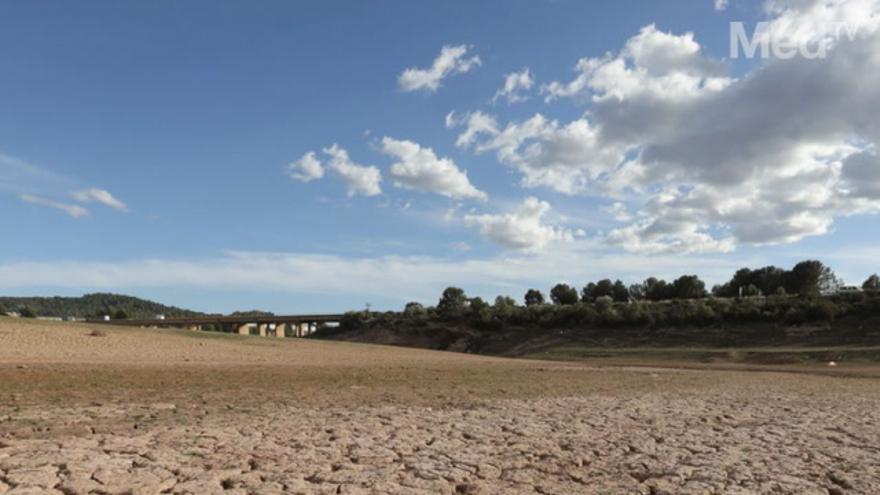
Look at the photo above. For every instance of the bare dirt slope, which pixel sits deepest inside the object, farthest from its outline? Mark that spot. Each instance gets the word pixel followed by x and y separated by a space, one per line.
pixel 146 411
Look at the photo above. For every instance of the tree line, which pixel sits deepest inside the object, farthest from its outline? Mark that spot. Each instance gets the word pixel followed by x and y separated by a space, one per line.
pixel 807 279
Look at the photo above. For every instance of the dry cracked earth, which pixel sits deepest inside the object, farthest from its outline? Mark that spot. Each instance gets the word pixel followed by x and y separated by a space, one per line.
pixel 141 411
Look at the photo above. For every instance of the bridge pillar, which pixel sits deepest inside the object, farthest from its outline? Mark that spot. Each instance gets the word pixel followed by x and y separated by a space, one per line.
pixel 280 329
pixel 244 329
pixel 263 328
pixel 194 327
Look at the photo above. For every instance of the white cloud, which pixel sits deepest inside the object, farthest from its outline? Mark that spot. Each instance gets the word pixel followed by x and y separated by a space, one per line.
pixel 514 84
pixel 618 211
pixel 421 169
pixel 475 123
pixel 546 153
pixel 451 60
pixel 307 168
pixel 665 236
pixel 521 230
pixel 39 186
pixel 768 158
pixel 102 196
pixel 653 64
pixel 721 5
pixel 75 211
pixel 360 179
pixel 18 176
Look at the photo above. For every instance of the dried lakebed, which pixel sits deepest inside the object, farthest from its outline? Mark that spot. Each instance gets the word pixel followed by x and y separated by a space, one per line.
pixel 199 415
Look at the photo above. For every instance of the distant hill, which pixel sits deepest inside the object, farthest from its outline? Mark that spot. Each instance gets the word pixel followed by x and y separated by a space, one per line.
pixel 93 305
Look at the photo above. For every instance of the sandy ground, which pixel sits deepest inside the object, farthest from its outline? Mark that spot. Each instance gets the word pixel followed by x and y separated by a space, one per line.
pixel 145 411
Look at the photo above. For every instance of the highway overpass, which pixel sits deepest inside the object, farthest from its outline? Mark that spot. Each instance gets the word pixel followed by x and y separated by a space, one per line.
pixel 263 325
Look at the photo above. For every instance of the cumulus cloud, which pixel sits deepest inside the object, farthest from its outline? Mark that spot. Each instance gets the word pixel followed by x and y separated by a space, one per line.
pixel 564 157
pixel 653 64
pixel 515 84
pixel 716 161
pixel 451 60
pixel 75 211
pixel 522 229
pixel 721 5
pixel 475 123
pixel 360 179
pixel 307 168
pixel 861 175
pixel 421 169
pixel 95 195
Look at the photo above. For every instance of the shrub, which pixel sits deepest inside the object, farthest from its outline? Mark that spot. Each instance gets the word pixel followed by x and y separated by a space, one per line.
pixel 27 312
pixel 353 320
pixel 478 305
pixel 604 303
pixel 704 314
pixel 822 310
pixel 794 316
pixel 609 316
pixel 632 314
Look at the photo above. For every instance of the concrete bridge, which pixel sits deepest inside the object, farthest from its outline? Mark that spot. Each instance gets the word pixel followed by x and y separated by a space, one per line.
pixel 264 326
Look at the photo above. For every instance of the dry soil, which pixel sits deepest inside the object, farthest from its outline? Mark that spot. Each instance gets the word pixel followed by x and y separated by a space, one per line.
pixel 172 411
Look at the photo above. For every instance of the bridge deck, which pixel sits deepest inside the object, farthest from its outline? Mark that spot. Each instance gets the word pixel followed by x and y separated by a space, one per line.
pixel 225 320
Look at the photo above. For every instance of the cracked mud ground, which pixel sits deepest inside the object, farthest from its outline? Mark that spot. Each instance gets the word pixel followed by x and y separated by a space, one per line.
pixel 141 411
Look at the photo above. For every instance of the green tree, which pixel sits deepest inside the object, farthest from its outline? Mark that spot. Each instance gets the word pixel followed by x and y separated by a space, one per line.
pixel 504 302
pixel 689 287
pixel 637 292
pixel 872 283
pixel 564 295
pixel 477 305
pixel 534 297
pixel 120 314
pixel 587 293
pixel 604 288
pixel 504 307
pixel 453 302
pixel 619 292
pixel 750 290
pixel 413 309
pixel 657 290
pixel 810 278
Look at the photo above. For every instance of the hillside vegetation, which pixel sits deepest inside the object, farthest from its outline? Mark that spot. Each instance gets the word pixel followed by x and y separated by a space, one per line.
pixel 804 306
pixel 91 306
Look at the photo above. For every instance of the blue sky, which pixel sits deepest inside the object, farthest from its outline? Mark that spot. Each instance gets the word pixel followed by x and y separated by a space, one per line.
pixel 155 148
